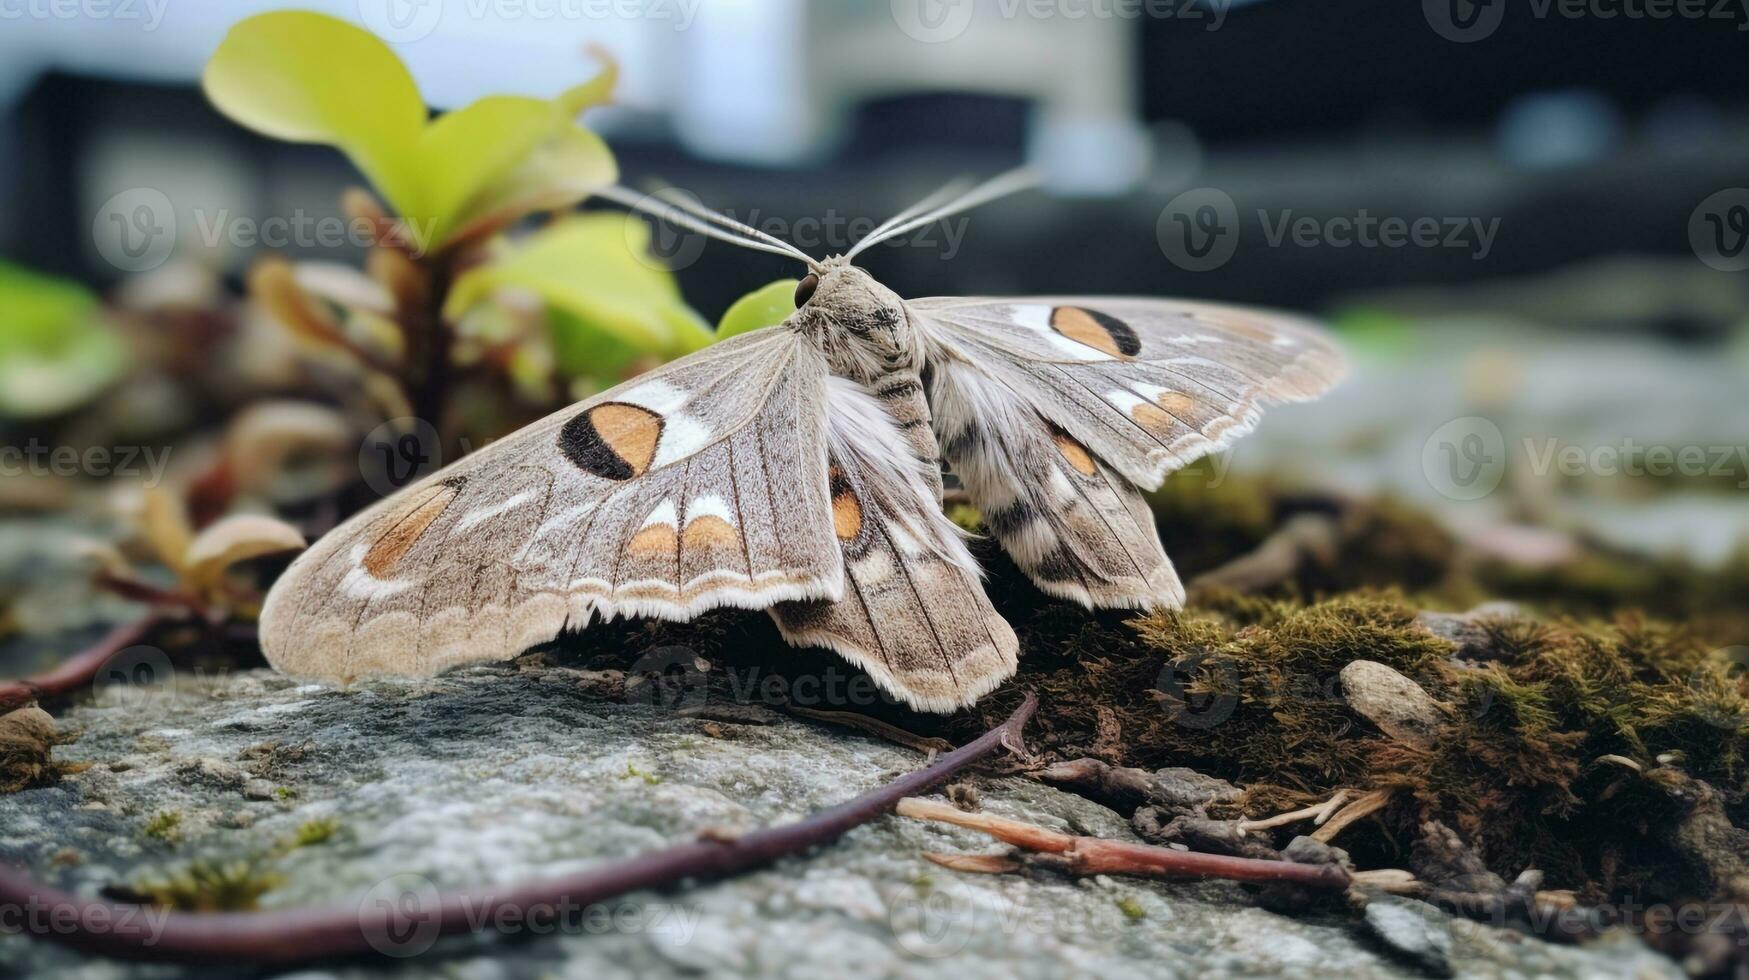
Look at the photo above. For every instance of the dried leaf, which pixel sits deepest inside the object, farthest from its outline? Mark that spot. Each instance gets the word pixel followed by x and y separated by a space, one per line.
pixel 164 523
pixel 235 539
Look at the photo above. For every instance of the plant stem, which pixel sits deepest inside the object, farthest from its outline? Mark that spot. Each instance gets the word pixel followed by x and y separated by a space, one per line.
pixel 79 670
pixel 1097 855
pixel 289 936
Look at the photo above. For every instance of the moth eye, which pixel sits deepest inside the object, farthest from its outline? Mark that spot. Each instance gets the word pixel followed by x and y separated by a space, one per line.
pixel 805 289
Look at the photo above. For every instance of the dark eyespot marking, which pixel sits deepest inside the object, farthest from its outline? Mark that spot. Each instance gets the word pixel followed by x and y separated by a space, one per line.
pixel 613 440
pixel 805 289
pixel 1100 331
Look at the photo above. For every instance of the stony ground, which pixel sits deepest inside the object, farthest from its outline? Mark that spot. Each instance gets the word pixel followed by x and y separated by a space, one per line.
pixel 495 775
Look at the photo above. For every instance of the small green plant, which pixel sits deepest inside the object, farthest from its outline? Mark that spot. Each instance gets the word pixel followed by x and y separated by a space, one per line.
pixel 57 350
pixel 165 827
pixel 210 886
pixel 439 323
pixel 633 772
pixel 313 833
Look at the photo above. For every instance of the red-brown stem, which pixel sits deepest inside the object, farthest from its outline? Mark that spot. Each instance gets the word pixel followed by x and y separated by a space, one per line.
pixel 1096 855
pixel 139 590
pixel 79 670
pixel 282 937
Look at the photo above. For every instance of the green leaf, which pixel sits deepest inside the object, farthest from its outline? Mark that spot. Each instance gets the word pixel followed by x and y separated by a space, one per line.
pixel 56 350
pixel 769 304
pixel 595 269
pixel 311 78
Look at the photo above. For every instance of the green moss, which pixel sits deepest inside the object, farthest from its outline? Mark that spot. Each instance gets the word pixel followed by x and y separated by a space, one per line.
pixel 210 886
pixel 315 832
pixel 650 778
pixel 284 793
pixel 165 826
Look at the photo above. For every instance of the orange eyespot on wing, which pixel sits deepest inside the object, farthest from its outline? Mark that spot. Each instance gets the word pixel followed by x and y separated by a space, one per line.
pixel 405 532
pixel 846 509
pixel 613 440
pixel 1075 453
pixel 1104 333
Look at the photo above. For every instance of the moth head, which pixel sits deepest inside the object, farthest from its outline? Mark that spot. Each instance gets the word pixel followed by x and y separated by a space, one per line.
pixel 859 324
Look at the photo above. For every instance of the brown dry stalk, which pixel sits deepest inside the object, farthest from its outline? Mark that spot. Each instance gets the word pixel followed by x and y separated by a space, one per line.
pixel 287 936
pixel 1097 855
pixel 79 670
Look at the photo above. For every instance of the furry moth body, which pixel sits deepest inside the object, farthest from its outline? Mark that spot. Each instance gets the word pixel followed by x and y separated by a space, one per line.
pixel 797 469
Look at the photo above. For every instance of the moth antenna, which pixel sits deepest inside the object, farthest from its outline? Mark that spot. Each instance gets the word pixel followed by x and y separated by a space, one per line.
pixel 934 199
pixel 1000 185
pixel 671 195
pixel 668 212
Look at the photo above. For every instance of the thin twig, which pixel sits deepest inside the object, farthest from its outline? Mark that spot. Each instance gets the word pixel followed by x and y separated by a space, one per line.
pixel 79 670
pixel 1098 855
pixel 873 726
pixel 1317 813
pixel 289 936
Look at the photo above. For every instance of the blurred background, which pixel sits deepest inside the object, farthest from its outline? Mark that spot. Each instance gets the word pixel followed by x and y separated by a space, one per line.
pixel 1529 225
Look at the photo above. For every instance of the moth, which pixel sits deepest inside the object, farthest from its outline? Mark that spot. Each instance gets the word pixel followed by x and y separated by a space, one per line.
pixel 798 469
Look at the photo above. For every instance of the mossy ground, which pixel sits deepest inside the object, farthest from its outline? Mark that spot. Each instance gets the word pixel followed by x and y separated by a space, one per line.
pixel 1536 766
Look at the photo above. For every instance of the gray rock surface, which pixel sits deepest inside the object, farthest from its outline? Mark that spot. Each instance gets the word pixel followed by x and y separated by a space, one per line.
pixel 495 775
